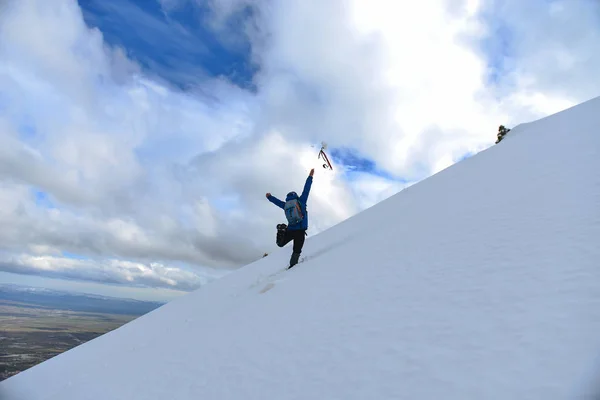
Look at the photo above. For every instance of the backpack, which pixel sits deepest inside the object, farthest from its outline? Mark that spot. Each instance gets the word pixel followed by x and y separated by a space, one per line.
pixel 293 212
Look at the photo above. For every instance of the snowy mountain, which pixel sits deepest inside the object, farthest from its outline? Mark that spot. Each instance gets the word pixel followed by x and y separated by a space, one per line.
pixel 481 282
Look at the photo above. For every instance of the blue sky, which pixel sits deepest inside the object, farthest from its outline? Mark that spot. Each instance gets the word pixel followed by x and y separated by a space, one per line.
pixel 176 46
pixel 352 161
pixel 42 199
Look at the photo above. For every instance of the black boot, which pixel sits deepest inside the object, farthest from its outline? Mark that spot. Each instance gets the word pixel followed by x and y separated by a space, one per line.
pixel 281 229
pixel 294 259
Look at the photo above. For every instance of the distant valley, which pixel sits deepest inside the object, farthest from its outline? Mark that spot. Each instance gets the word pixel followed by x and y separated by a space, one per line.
pixel 37 324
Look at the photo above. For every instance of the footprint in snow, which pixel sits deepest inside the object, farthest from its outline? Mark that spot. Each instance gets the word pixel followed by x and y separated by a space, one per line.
pixel 276 278
pixel 269 286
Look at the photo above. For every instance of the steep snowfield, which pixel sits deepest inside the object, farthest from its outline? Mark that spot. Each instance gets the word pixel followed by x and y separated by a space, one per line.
pixel 481 282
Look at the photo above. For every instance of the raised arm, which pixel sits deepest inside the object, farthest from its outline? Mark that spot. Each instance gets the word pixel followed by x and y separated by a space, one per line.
pixel 275 201
pixel 307 185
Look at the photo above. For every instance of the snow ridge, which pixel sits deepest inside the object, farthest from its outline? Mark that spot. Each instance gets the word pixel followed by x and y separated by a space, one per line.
pixel 481 282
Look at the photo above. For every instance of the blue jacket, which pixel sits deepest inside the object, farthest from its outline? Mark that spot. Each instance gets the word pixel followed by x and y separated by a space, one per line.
pixel 303 199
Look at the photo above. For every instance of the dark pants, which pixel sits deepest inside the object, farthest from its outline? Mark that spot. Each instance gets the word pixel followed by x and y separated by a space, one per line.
pixel 286 236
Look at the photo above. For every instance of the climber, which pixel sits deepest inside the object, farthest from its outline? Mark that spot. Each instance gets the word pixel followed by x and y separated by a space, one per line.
pixel 297 217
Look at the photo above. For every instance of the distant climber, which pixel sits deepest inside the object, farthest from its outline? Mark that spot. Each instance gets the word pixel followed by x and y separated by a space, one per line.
pixel 502 131
pixel 297 217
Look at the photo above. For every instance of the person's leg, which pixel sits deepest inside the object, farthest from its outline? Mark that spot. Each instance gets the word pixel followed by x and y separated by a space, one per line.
pixel 284 236
pixel 299 237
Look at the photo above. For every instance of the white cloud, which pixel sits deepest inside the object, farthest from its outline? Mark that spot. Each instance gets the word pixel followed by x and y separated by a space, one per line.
pixel 146 175
pixel 110 271
pixel 170 5
pixel 555 65
pixel 370 190
pixel 375 76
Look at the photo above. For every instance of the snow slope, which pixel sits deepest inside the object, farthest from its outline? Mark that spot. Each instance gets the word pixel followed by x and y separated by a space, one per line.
pixel 481 282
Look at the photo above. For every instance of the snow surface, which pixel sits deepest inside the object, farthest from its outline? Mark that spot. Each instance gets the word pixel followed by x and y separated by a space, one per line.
pixel 481 282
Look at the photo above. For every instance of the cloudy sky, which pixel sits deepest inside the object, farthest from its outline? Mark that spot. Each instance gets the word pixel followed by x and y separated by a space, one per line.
pixel 138 137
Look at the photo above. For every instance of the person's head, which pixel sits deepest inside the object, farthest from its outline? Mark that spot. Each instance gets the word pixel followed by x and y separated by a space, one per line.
pixel 291 195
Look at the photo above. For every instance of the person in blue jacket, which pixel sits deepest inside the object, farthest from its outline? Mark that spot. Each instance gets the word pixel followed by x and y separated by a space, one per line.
pixel 297 216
